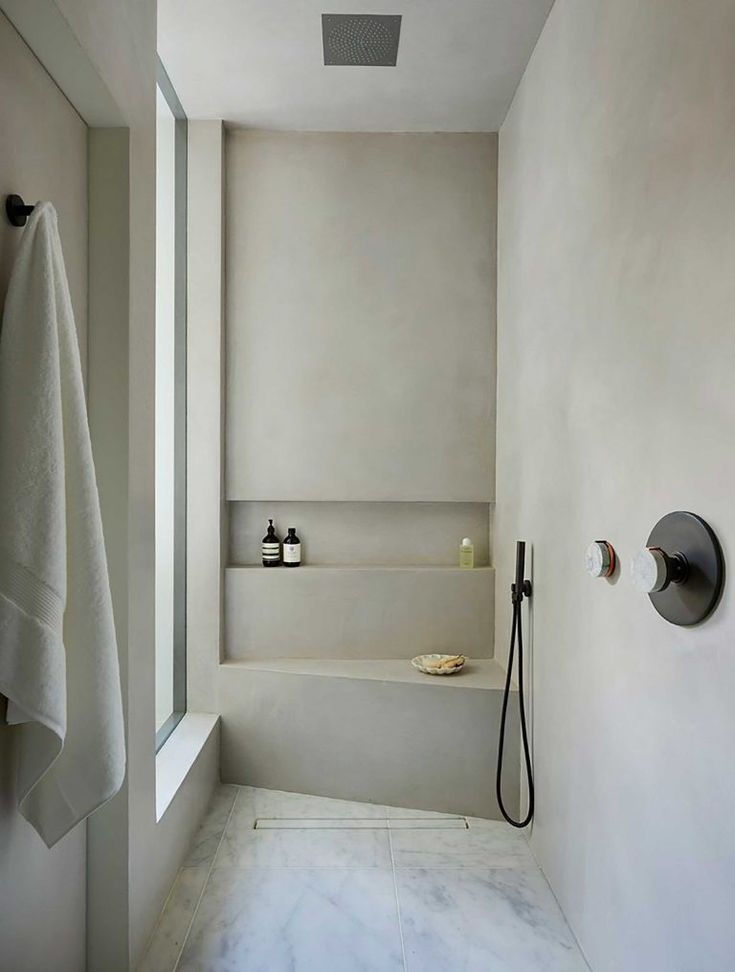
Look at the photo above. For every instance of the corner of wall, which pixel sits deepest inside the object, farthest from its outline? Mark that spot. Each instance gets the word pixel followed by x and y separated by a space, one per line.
pixel 206 524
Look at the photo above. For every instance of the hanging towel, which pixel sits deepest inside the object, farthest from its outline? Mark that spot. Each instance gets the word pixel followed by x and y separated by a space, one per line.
pixel 58 654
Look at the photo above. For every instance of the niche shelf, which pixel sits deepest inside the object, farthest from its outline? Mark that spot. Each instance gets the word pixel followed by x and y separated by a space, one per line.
pixel 478 673
pixel 384 567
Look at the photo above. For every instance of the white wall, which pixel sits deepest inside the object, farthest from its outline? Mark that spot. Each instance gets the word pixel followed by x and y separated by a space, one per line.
pixel 125 853
pixel 616 345
pixel 135 856
pixel 357 612
pixel 206 519
pixel 360 316
pixel 105 53
pixel 46 160
pixel 43 155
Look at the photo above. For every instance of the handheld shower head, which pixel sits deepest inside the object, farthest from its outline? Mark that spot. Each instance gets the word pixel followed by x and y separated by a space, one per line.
pixel 518 589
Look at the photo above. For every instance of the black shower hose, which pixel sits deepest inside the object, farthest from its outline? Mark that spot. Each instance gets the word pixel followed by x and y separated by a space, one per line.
pixel 517 629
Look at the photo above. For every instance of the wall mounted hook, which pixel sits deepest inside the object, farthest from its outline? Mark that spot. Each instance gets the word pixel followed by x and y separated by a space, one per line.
pixel 16 210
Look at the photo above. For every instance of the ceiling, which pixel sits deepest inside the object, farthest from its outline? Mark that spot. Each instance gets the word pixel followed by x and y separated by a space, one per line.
pixel 258 63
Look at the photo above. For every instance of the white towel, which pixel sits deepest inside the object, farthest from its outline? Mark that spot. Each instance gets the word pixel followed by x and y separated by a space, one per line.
pixel 58 653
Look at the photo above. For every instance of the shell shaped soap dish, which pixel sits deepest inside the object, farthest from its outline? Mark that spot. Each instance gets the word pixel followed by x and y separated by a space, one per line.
pixel 438 664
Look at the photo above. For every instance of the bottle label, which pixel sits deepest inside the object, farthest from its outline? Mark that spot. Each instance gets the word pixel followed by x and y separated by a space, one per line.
pixel 271 551
pixel 292 553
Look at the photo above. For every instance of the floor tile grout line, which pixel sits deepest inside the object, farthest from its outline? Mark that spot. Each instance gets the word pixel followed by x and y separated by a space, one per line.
pixel 206 881
pixel 398 903
pixel 161 913
pixel 175 882
pixel 581 951
pixel 544 875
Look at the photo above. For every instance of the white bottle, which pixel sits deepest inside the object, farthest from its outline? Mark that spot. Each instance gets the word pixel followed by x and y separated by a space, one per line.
pixel 467 554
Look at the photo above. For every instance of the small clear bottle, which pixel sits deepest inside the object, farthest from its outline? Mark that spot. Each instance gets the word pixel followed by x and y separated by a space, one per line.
pixel 467 554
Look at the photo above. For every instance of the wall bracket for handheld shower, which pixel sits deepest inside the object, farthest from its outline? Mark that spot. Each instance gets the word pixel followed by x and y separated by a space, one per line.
pixel 521 587
pixel 526 590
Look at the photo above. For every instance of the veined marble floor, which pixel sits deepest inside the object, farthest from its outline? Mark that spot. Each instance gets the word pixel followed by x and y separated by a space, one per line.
pixel 352 887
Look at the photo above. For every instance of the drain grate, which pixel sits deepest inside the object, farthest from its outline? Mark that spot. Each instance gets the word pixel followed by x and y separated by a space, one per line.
pixel 370 40
pixel 360 823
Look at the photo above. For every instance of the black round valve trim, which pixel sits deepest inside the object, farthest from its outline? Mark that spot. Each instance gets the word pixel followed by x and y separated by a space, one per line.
pixel 686 538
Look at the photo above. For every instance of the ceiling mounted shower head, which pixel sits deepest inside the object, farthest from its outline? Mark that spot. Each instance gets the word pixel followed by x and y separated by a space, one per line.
pixel 369 40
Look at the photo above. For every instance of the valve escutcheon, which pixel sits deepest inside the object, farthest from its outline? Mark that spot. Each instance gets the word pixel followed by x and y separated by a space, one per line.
pixel 681 568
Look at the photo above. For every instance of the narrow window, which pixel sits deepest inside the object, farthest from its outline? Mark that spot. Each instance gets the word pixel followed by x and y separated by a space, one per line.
pixel 170 422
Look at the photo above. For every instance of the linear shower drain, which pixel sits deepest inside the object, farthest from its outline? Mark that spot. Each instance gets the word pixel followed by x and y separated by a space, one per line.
pixel 360 823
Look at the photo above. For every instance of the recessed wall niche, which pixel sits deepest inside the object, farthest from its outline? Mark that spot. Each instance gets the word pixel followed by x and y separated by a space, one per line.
pixel 365 534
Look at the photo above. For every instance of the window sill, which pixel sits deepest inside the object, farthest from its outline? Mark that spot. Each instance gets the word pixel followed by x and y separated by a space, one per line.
pixel 179 753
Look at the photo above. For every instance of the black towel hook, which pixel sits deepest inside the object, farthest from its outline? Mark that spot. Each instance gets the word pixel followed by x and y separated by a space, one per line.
pixel 17 211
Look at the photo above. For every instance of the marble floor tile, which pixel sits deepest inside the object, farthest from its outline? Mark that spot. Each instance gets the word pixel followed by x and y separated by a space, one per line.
pixel 480 823
pixel 493 844
pixel 312 920
pixel 406 812
pixel 304 848
pixel 244 811
pixel 277 803
pixel 483 920
pixel 207 838
pixel 315 890
pixel 253 803
pixel 173 925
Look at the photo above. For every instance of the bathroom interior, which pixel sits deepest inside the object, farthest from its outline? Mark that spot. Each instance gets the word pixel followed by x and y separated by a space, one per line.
pixel 444 292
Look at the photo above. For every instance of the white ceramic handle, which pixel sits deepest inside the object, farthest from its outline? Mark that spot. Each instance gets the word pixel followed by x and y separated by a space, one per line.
pixel 649 570
pixel 599 559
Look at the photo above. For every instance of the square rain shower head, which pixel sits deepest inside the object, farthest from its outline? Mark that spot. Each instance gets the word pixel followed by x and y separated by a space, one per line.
pixel 370 40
